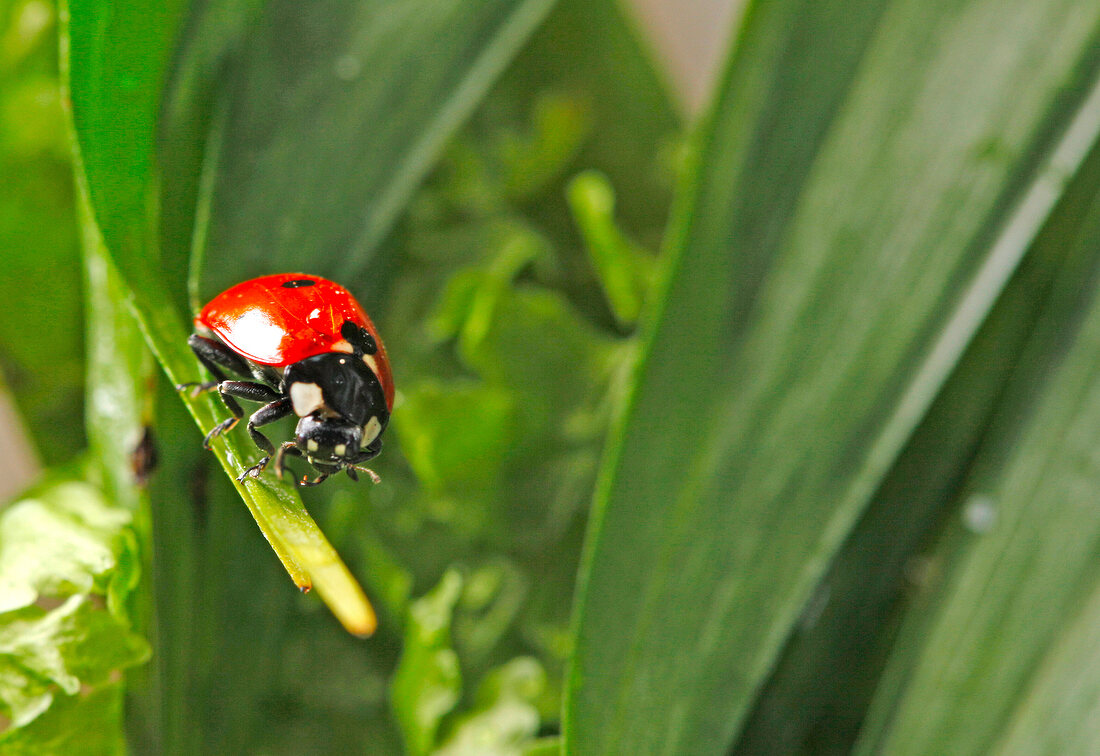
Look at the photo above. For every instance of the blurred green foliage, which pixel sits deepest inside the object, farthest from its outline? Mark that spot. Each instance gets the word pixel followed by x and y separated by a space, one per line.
pixel 41 339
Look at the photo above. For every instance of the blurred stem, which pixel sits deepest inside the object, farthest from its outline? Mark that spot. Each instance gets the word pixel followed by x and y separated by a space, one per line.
pixel 207 179
pixel 118 413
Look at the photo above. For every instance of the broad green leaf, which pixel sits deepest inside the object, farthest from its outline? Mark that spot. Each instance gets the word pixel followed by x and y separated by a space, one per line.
pixel 841 235
pixel 1017 565
pixel 428 682
pixel 1058 712
pixel 821 686
pixel 337 112
pixel 113 189
pixel 114 60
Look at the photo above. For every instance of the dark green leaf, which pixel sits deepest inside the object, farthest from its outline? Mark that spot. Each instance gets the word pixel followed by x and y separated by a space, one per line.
pixel 842 233
pixel 338 110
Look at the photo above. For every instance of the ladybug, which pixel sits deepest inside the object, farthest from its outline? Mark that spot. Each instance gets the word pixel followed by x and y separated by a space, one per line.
pixel 311 351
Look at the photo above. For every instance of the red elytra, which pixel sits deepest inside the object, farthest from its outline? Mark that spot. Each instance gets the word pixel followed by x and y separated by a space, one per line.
pixel 284 318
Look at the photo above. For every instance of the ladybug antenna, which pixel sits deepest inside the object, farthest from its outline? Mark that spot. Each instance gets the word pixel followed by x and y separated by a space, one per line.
pixel 371 473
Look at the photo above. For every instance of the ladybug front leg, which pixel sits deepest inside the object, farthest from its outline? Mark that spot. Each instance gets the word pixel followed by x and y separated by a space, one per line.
pixel 215 357
pixel 269 413
pixel 253 392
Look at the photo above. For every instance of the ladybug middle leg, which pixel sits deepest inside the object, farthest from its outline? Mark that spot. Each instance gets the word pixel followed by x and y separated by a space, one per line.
pixel 269 413
pixel 217 358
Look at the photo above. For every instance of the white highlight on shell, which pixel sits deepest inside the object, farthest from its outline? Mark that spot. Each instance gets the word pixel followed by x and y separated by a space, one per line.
pixel 305 398
pixel 371 431
pixel 340 449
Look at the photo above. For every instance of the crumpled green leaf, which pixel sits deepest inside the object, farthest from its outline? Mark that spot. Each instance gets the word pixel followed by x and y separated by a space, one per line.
pixel 59 542
pixel 67 563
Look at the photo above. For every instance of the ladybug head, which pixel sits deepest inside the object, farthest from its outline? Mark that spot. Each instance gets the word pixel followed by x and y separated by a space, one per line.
pixel 342 410
pixel 328 441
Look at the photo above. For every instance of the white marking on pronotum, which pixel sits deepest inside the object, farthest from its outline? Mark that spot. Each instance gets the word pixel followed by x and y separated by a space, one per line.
pixel 340 449
pixel 371 431
pixel 305 398
pixel 312 446
pixel 342 346
pixel 371 363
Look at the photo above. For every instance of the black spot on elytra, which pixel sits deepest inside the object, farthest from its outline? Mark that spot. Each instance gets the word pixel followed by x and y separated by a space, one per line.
pixel 298 283
pixel 359 338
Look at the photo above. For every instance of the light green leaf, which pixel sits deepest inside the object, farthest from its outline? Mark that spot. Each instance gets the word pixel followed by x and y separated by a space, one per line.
pixel 73 645
pixel 62 541
pixel 73 727
pixel 842 233
pixel 624 270
pixel 428 682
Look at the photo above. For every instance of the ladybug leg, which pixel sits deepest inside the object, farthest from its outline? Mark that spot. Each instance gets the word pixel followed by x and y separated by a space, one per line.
pixel 370 452
pixel 215 357
pixel 255 392
pixel 305 481
pixel 223 427
pixel 287 448
pixel 269 413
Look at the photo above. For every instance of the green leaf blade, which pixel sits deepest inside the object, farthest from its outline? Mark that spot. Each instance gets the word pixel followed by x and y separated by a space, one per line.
pixel 984 651
pixel 114 182
pixel 789 363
